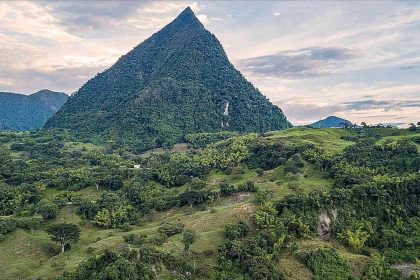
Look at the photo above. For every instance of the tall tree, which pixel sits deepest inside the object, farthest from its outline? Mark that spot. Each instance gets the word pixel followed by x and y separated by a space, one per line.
pixel 64 233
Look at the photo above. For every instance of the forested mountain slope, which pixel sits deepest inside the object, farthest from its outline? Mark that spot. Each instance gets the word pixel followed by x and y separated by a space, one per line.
pixel 26 112
pixel 176 82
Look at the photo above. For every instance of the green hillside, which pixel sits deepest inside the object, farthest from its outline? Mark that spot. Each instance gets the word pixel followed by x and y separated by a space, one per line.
pixel 293 204
pixel 20 112
pixel 176 82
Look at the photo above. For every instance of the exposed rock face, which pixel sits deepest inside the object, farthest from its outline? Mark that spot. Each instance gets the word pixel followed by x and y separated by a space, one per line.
pixel 324 224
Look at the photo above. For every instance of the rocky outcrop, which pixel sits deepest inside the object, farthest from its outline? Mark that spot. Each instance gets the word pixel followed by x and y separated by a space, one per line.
pixel 325 222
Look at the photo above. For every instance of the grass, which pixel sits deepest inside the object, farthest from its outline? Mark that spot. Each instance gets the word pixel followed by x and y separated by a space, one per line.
pixel 328 139
pixel 294 269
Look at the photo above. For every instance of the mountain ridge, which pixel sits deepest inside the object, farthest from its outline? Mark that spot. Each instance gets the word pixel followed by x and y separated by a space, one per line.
pixel 178 81
pixel 331 122
pixel 25 112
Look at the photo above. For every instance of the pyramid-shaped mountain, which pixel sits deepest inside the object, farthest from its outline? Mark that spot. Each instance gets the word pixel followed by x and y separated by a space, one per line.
pixel 176 82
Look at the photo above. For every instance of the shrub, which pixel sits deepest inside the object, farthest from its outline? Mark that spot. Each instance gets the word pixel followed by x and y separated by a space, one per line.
pixel 171 228
pixel 249 186
pixel 7 225
pixel 259 171
pixel 235 231
pixel 226 189
pixel 197 183
pixel 48 210
pixel 158 239
pixel 135 239
pixel 327 264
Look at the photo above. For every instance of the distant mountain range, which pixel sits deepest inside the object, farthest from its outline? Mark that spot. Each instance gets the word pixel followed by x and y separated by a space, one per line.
pixel 178 81
pixel 331 121
pixel 25 112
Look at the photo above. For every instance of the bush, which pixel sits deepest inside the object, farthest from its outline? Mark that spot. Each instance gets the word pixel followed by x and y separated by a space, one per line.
pixel 259 171
pixel 226 189
pixel 158 239
pixel 197 183
pixel 188 238
pixel 135 239
pixel 7 225
pixel 171 228
pixel 112 183
pixel 235 231
pixel 48 210
pixel 2 237
pixel 249 186
pixel 327 264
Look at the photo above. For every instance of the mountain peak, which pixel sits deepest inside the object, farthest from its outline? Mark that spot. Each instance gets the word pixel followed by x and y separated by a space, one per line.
pixel 176 82
pixel 187 17
pixel 331 121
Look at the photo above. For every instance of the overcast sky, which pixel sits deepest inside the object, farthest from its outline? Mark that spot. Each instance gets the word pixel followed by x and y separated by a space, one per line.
pixel 357 60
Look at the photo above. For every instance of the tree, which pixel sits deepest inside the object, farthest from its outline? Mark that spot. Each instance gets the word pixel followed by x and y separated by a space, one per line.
pixel 265 216
pixel 64 233
pixel 363 124
pixel 48 210
pixel 188 238
pixel 112 183
pixel 412 127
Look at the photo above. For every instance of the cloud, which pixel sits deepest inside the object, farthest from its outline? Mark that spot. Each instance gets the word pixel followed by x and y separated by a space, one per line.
pixel 57 78
pixel 385 105
pixel 408 67
pixel 298 64
pixel 304 113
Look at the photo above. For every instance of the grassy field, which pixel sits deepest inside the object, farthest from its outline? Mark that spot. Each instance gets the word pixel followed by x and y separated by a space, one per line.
pixel 329 139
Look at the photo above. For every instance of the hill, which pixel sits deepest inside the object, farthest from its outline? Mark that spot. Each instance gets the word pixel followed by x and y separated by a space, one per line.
pixel 25 112
pixel 176 82
pixel 331 122
pixel 258 206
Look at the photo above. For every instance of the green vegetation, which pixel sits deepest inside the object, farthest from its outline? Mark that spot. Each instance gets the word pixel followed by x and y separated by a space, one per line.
pixel 20 112
pixel 148 99
pixel 279 206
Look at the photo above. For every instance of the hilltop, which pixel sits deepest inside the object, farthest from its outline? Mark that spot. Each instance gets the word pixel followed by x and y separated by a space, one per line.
pixel 331 122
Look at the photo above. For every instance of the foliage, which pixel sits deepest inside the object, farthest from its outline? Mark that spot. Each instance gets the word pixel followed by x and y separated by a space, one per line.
pixel 201 140
pixel 28 112
pixel 235 231
pixel 171 228
pixel 327 264
pixel 145 102
pixel 131 264
pixel 188 238
pixel 379 269
pixel 64 233
pixel 48 210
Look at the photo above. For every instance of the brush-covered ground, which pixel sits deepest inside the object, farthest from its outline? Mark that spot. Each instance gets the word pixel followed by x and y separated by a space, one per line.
pixel 253 203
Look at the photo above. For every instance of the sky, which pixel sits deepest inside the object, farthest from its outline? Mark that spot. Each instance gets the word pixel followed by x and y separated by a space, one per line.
pixel 356 60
